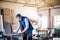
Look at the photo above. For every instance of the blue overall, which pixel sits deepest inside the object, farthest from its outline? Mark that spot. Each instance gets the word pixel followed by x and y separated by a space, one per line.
pixel 28 32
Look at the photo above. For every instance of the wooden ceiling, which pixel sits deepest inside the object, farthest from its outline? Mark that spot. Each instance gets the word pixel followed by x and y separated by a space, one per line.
pixel 37 3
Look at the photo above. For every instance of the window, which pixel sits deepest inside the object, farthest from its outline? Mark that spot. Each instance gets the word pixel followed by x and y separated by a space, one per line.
pixel 44 19
pixel 56 21
pixel 30 12
pixel 56 17
pixel 44 22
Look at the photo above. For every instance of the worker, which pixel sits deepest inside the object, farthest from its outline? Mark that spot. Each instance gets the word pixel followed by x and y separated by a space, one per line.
pixel 26 25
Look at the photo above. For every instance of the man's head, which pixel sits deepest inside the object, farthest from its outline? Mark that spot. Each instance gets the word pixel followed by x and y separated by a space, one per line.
pixel 18 16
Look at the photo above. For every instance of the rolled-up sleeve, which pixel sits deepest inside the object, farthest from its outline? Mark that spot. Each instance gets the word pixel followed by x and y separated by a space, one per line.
pixel 27 25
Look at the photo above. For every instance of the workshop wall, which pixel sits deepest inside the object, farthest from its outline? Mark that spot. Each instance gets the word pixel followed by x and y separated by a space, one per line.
pixel 13 8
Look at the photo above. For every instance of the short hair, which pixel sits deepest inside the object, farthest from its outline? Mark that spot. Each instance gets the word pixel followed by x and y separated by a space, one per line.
pixel 18 15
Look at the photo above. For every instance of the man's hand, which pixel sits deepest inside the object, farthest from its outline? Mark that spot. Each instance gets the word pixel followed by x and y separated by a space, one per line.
pixel 21 33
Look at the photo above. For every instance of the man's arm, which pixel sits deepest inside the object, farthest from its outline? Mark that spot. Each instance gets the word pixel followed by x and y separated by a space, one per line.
pixel 17 30
pixel 27 25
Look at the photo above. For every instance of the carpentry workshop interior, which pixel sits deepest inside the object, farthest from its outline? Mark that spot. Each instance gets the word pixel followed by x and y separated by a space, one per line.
pixel 29 19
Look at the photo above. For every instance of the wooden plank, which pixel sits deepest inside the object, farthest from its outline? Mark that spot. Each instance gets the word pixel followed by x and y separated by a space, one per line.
pixel 1 23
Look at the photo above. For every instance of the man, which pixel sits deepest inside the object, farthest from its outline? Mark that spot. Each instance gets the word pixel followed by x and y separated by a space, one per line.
pixel 26 25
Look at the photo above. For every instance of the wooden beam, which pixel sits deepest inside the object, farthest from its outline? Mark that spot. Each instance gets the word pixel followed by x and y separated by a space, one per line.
pixel 33 5
pixel 27 1
pixel 49 14
pixel 25 4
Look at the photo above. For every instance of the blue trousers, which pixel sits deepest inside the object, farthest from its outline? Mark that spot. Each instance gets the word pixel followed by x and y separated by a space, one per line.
pixel 27 36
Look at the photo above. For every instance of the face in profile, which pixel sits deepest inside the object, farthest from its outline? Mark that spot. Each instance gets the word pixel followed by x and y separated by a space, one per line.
pixel 19 19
